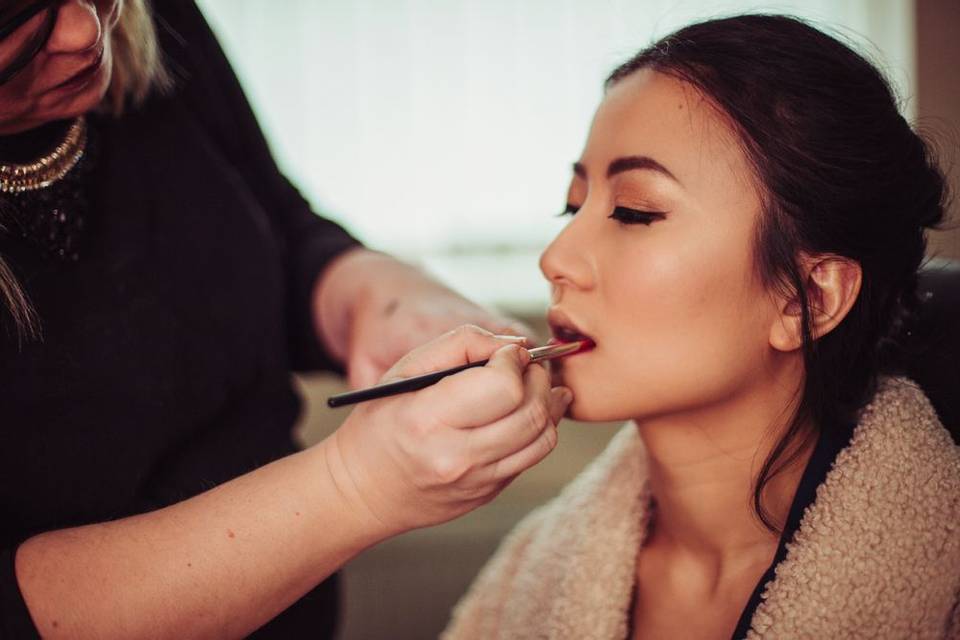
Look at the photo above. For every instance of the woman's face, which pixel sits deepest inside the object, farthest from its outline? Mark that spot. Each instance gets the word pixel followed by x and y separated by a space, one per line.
pixel 656 264
pixel 70 75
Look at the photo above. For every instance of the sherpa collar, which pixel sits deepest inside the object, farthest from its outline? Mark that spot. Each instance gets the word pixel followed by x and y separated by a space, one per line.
pixel 877 555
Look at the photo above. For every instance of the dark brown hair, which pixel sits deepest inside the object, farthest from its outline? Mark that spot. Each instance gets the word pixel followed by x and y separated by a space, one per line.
pixel 842 174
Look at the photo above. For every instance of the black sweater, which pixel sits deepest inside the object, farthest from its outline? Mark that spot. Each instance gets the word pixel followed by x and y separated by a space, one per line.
pixel 164 364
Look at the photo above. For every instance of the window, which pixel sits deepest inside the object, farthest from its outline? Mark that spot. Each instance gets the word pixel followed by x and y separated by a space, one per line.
pixel 443 130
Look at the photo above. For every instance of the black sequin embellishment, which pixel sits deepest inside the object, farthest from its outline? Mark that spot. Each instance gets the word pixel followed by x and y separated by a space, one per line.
pixel 52 219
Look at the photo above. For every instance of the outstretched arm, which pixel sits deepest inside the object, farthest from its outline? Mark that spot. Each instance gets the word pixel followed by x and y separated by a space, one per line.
pixel 223 563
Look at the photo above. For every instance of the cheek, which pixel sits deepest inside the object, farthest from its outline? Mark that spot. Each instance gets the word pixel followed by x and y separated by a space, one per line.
pixel 682 325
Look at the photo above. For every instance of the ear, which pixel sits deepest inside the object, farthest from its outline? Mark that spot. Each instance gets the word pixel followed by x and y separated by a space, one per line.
pixel 832 284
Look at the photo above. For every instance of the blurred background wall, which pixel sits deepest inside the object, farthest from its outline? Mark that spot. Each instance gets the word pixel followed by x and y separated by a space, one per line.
pixel 938 101
pixel 443 131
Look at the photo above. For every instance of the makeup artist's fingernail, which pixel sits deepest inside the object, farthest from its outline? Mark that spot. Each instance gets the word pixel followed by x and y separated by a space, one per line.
pixel 521 339
pixel 523 355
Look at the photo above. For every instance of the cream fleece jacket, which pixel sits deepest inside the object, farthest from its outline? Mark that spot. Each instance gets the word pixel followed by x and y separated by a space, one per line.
pixel 877 554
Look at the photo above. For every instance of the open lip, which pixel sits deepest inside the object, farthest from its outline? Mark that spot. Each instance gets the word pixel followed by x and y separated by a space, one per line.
pixel 83 74
pixel 564 329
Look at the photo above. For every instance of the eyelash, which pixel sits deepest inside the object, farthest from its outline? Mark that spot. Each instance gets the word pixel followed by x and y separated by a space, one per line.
pixel 623 215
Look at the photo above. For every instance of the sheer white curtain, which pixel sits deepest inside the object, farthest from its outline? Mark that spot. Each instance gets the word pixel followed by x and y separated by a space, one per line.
pixel 443 130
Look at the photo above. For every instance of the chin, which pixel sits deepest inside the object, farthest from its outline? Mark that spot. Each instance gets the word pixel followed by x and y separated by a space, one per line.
pixel 90 97
pixel 592 403
pixel 585 410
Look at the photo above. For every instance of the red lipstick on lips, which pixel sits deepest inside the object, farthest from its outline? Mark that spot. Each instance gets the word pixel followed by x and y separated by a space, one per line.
pixel 587 345
pixel 564 331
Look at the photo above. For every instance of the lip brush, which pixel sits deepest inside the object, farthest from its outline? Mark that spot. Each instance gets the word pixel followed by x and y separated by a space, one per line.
pixel 422 381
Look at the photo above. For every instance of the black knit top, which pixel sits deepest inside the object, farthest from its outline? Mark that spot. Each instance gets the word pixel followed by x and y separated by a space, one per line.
pixel 163 367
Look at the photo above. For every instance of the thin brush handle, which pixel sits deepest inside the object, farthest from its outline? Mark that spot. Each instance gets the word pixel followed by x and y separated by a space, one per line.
pixel 420 382
pixel 398 386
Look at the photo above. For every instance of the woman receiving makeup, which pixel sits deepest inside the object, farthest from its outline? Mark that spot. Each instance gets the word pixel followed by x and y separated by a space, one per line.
pixel 747 221
pixel 159 278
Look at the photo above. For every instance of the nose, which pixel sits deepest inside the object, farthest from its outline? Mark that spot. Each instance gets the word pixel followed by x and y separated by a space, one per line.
pixel 77 29
pixel 568 261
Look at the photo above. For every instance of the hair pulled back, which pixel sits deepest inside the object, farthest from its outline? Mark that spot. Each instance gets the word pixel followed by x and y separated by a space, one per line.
pixel 842 174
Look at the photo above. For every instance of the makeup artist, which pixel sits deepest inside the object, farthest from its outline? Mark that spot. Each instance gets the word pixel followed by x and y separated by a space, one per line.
pixel 158 280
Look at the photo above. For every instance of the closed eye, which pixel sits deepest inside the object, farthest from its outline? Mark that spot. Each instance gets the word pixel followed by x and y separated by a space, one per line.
pixel 625 215
pixel 569 210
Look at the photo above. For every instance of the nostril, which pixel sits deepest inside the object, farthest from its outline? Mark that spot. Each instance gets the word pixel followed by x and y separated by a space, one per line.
pixel 77 28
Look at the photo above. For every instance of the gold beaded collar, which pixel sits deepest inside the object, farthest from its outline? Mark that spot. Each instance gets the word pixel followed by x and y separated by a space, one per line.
pixel 17 178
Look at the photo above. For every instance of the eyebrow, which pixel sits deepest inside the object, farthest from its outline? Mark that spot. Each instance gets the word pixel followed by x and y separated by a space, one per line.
pixel 628 163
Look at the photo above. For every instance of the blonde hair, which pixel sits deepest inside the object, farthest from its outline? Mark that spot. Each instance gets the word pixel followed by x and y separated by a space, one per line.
pixel 24 316
pixel 138 65
pixel 138 70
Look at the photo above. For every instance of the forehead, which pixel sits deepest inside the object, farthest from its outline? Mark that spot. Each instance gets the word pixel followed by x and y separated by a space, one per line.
pixel 654 114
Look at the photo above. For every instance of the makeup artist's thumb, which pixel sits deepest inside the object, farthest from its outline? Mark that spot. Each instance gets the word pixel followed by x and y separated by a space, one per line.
pixel 560 399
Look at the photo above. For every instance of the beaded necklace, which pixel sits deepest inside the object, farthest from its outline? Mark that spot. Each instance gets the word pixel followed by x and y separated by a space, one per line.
pixel 44 201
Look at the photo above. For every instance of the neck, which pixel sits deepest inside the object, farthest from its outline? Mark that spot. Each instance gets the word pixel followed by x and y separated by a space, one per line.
pixel 27 146
pixel 703 466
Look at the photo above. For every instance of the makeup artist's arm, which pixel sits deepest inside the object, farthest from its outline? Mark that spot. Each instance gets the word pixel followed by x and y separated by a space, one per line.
pixel 225 562
pixel 373 308
pixel 369 309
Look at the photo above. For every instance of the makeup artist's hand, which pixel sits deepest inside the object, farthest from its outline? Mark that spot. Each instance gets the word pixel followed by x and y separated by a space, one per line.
pixel 373 309
pixel 426 457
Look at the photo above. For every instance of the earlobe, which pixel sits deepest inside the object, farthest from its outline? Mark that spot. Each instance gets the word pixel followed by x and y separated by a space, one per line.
pixel 785 333
pixel 832 286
